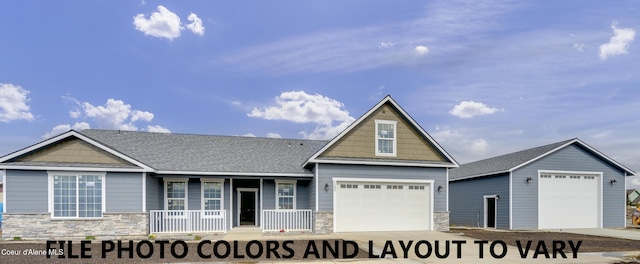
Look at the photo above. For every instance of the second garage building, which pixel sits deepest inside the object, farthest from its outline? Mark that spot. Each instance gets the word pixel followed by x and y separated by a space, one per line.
pixel 567 184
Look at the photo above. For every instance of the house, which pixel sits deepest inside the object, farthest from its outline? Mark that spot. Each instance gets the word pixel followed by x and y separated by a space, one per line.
pixel 384 172
pixel 633 196
pixel 567 184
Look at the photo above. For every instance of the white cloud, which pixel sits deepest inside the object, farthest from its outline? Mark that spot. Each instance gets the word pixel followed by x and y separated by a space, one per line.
pixel 141 115
pixel 385 45
pixel 578 46
pixel 619 43
pixel 249 135
pixel 157 129
pixel 300 107
pixel 273 135
pixel 421 50
pixel 479 146
pixel 469 109
pixel 196 24
pixel 161 24
pixel 59 129
pixel 13 103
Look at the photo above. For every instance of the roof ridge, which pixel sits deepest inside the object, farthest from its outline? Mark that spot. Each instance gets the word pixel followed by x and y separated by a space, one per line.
pixel 201 135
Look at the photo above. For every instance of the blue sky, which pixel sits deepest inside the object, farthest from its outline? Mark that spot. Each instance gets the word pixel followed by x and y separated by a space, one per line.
pixel 482 77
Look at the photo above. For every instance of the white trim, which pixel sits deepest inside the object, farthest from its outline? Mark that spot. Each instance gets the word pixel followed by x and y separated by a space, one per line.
pixel 486 207
pixel 4 191
pixel 510 200
pixel 366 115
pixel 255 209
pixel 317 174
pixel 430 182
pixel 295 193
pixel 389 163
pixel 600 175
pixel 57 168
pixel 144 192
pixel 231 203
pixel 261 200
pixel 50 193
pixel 394 139
pixel 202 181
pixel 79 136
pixel 223 173
pixel 186 191
pixel 446 201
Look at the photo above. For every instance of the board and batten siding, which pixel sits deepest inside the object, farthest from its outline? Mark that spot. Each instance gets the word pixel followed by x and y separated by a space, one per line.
pixel 466 200
pixel 570 158
pixel 330 171
pixel 27 192
pixel 123 192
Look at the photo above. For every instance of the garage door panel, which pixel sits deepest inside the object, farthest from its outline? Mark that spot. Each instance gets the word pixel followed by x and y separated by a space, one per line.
pixel 382 206
pixel 569 201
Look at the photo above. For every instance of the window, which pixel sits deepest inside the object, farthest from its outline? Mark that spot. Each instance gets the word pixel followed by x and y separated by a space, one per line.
pixel 385 138
pixel 212 196
pixel 77 195
pixel 285 195
pixel 176 194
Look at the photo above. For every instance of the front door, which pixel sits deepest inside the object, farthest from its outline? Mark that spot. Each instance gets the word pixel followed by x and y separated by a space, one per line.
pixel 247 208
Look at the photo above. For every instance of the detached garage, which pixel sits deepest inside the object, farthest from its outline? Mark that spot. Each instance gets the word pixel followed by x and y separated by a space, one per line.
pixel 567 184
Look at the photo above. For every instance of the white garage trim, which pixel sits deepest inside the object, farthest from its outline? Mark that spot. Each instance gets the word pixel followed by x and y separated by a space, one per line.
pixel 337 179
pixel 599 183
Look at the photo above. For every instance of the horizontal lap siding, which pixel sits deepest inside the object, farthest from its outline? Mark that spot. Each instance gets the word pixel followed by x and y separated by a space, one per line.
pixel 571 158
pixel 27 191
pixel 466 200
pixel 329 171
pixel 302 195
pixel 155 193
pixel 123 192
pixel 269 195
pixel 194 195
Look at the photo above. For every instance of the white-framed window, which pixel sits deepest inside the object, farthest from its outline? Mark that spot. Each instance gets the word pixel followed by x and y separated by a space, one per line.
pixel 175 194
pixel 212 197
pixel 285 195
pixel 76 194
pixel 386 133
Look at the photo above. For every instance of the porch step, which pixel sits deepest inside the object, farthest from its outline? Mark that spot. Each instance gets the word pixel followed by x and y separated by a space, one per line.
pixel 244 233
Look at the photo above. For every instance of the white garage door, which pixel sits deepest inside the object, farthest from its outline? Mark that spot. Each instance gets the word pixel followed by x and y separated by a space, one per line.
pixel 378 206
pixel 569 201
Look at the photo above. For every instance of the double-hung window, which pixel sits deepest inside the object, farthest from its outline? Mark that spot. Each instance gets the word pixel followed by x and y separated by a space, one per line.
pixel 77 195
pixel 175 194
pixel 385 138
pixel 212 193
pixel 285 195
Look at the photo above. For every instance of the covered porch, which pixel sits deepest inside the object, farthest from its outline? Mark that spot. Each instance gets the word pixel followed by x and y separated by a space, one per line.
pixel 218 204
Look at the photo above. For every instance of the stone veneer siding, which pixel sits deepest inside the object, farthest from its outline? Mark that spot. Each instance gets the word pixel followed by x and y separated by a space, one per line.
pixel 40 226
pixel 441 221
pixel 323 223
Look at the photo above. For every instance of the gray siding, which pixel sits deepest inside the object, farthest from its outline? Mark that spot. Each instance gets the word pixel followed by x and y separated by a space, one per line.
pixel 466 202
pixel 571 158
pixel 302 194
pixel 269 194
pixel 328 171
pixel 194 196
pixel 123 192
pixel 155 193
pixel 312 194
pixel 27 191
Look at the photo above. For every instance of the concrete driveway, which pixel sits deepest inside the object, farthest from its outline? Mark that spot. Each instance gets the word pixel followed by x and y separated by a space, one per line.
pixel 461 249
pixel 633 234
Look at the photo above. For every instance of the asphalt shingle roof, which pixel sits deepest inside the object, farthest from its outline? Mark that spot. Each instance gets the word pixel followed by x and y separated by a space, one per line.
pixel 501 163
pixel 207 153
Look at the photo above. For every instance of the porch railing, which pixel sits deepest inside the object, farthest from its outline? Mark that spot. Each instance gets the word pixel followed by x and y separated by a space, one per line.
pixel 287 220
pixel 187 221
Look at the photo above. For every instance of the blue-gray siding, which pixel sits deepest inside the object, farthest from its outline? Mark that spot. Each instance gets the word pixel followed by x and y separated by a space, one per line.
pixel 27 191
pixel 155 193
pixel 329 171
pixel 123 192
pixel 571 158
pixel 466 202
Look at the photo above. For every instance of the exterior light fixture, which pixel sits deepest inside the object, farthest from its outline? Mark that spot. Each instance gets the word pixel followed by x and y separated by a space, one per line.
pixel 326 187
pixel 440 188
pixel 529 179
pixel 613 182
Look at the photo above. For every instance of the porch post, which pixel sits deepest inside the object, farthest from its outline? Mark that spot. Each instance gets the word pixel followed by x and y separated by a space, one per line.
pixel 261 209
pixel 231 203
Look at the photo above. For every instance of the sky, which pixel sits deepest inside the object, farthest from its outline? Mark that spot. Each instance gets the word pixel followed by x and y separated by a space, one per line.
pixel 483 78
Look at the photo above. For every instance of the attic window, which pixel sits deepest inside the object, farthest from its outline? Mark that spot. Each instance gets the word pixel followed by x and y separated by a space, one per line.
pixel 386 138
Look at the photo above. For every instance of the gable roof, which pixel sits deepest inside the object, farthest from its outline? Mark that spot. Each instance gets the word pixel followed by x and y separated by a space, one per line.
pixel 512 161
pixel 450 162
pixel 170 153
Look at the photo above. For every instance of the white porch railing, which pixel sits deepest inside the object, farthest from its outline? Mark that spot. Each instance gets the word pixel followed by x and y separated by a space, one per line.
pixel 187 221
pixel 288 220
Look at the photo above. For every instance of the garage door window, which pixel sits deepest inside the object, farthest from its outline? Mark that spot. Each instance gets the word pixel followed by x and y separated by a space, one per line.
pixel 285 195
